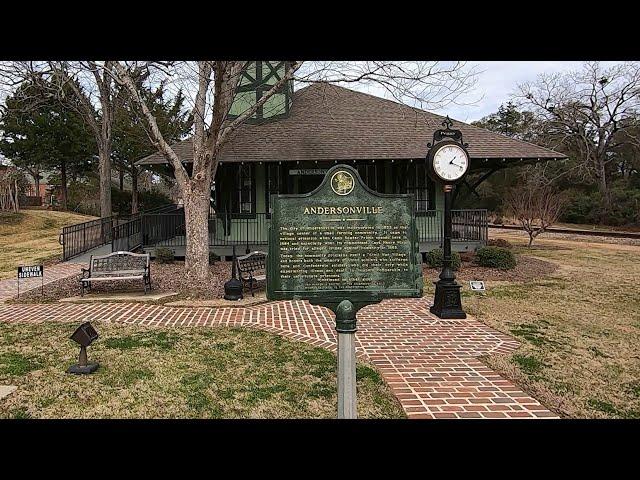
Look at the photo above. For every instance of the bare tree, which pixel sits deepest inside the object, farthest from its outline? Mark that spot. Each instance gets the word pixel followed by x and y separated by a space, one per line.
pixel 536 205
pixel 588 110
pixel 93 96
pixel 214 84
pixel 10 187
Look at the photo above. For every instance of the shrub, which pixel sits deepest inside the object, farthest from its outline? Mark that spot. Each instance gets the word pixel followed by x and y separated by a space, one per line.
pixel 589 206
pixel 82 197
pixel 121 200
pixel 164 255
pixel 499 242
pixel 496 257
pixel 434 259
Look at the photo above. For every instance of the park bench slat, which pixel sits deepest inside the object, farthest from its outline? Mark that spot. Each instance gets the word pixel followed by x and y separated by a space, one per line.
pixel 98 279
pixel 117 266
pixel 118 272
pixel 252 268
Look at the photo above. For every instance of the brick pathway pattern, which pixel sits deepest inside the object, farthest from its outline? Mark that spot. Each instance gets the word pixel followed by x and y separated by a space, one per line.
pixel 9 287
pixel 430 364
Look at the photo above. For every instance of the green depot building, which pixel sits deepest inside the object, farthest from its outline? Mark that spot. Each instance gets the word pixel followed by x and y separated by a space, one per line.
pixel 296 136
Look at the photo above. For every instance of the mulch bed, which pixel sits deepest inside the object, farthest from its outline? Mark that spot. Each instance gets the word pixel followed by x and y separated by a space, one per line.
pixel 528 268
pixel 171 277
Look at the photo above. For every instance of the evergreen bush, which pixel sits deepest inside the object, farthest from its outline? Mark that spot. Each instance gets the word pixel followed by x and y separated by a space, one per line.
pixel 496 257
pixel 434 259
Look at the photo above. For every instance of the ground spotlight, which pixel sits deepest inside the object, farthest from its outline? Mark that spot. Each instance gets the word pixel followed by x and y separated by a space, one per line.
pixel 84 336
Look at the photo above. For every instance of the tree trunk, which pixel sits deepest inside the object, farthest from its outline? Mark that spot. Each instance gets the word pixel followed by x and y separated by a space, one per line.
pixel 121 173
pixel 196 212
pixel 134 190
pixel 63 182
pixel 603 187
pixel 36 179
pixel 104 155
pixel 16 202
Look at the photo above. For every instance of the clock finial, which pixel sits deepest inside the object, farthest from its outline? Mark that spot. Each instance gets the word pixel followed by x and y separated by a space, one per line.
pixel 447 123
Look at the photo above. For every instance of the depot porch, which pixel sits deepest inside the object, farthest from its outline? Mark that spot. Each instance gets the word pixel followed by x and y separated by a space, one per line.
pixel 317 127
pixel 241 205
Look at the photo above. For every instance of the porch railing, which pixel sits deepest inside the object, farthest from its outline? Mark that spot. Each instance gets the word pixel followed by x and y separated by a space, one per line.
pixel 466 226
pixel 168 229
pixel 129 235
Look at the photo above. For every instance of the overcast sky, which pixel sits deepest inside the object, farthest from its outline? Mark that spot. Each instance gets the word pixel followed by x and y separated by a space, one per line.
pixel 497 81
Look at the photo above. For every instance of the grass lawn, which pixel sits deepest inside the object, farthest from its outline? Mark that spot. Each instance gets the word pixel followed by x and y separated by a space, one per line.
pixel 579 327
pixel 31 236
pixel 176 373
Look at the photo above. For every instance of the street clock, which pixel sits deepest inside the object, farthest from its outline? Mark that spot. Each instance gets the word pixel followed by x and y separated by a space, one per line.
pixel 449 162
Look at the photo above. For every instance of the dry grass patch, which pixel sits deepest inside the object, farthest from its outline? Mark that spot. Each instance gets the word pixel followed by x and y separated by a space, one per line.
pixel 176 373
pixel 579 328
pixel 31 236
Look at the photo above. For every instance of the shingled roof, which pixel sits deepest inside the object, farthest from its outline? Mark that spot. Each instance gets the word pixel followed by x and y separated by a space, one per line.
pixel 328 122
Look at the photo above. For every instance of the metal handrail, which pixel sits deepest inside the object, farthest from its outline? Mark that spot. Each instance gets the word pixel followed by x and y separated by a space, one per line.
pixel 81 237
pixel 226 229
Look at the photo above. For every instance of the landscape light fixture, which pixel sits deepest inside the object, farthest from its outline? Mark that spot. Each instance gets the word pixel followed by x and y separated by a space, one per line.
pixel 84 336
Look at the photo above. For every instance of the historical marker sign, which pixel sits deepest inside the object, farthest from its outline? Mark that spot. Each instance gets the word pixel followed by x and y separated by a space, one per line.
pixel 343 246
pixel 343 241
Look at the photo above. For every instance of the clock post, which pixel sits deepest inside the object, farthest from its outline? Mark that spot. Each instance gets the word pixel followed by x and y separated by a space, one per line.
pixel 448 163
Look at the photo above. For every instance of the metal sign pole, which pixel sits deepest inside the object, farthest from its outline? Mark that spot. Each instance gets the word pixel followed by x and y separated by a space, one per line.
pixel 346 328
pixel 347 403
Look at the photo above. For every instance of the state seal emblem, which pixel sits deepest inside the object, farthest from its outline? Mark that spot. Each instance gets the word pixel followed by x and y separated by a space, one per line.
pixel 342 182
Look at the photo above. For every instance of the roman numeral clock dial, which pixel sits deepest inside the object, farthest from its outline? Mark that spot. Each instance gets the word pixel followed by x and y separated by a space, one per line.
pixel 450 163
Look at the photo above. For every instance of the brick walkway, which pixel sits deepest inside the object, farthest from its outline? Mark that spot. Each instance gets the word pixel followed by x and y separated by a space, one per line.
pixel 430 364
pixel 9 287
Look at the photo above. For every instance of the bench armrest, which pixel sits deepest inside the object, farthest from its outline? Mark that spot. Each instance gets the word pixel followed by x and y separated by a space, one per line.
pixel 85 273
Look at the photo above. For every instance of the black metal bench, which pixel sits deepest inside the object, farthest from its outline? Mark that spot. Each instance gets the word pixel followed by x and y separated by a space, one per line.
pixel 252 268
pixel 117 266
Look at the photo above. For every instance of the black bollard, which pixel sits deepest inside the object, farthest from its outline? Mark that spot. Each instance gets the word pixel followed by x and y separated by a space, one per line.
pixel 233 288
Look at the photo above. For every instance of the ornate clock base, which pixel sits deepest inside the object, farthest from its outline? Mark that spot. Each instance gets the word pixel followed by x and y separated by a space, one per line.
pixel 447 302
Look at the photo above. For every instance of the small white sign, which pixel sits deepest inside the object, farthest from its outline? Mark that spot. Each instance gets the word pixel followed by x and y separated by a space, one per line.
pixel 308 171
pixel 477 285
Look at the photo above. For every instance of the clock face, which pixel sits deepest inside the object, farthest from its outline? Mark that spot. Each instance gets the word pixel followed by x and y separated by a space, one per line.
pixel 450 162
